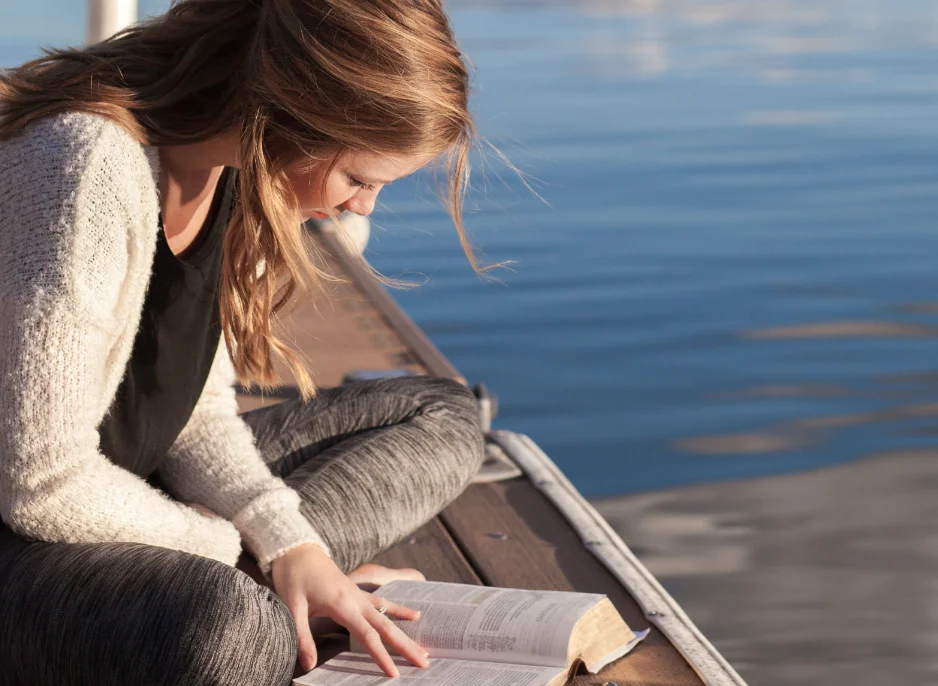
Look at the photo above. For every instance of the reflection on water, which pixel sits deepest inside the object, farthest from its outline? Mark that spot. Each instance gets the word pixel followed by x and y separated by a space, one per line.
pixel 817 429
pixel 734 283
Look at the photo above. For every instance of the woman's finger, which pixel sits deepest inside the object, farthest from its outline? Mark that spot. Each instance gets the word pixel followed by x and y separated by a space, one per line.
pixel 369 637
pixel 410 574
pixel 395 610
pixel 400 642
pixel 306 646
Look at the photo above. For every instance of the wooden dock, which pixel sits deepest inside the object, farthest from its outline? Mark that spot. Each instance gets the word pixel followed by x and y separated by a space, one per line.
pixel 499 534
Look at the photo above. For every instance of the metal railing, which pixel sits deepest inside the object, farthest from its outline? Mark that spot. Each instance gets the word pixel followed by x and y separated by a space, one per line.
pixel 107 17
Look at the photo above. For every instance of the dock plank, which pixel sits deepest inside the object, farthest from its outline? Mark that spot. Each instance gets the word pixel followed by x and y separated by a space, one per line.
pixel 434 552
pixel 513 536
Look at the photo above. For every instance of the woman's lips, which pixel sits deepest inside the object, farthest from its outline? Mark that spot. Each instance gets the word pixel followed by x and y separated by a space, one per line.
pixel 318 215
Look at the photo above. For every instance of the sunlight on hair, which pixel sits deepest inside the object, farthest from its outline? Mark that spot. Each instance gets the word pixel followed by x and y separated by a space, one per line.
pixel 300 79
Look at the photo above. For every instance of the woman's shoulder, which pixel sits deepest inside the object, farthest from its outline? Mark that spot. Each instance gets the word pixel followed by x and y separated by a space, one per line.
pixel 78 200
pixel 76 152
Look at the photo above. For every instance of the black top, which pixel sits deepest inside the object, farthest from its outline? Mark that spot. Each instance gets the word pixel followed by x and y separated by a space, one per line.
pixel 173 351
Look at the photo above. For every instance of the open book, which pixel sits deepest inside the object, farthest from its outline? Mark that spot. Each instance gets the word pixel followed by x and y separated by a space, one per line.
pixel 481 636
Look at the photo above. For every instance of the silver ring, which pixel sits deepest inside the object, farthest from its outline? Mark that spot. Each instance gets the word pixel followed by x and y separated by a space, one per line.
pixel 383 609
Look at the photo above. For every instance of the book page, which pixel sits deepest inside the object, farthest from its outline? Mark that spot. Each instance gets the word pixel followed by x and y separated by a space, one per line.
pixel 594 666
pixel 355 669
pixel 494 624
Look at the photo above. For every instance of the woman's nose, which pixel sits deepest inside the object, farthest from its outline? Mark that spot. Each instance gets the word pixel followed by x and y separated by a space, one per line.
pixel 363 204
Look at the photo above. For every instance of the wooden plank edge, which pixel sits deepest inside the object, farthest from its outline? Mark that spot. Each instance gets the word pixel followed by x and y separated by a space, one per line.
pixel 398 320
pixel 605 544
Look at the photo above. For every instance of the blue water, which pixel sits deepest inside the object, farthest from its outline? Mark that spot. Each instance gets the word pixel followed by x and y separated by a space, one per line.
pixel 712 169
pixel 706 170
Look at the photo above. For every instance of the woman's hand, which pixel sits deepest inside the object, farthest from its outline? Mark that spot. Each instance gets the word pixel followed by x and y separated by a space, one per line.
pixel 311 585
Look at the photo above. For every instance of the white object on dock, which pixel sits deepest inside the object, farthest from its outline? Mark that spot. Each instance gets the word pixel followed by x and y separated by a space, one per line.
pixel 107 17
pixel 352 230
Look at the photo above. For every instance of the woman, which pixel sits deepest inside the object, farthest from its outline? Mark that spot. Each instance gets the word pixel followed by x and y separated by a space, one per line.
pixel 152 189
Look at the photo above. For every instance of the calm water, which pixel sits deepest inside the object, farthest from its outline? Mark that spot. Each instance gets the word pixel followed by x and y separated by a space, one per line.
pixel 734 276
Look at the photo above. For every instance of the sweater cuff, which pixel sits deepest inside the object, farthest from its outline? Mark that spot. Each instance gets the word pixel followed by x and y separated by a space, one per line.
pixel 272 524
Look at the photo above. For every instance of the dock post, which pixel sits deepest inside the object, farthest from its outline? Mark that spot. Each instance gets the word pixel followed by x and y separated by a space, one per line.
pixel 107 17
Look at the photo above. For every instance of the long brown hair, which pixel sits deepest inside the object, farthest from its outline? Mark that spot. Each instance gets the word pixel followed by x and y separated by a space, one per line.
pixel 302 80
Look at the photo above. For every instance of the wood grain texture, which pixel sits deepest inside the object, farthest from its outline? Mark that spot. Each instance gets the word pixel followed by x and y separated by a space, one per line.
pixel 513 536
pixel 432 551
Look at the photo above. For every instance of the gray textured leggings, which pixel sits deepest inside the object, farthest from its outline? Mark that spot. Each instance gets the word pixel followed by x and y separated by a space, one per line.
pixel 372 462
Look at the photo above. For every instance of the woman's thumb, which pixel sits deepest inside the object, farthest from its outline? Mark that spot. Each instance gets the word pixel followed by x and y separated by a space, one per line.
pixel 306 647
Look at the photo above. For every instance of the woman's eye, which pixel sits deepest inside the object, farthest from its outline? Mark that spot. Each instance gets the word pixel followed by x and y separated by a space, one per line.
pixel 361 184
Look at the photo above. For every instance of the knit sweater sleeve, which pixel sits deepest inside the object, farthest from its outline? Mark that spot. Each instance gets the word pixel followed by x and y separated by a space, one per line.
pixel 215 462
pixel 69 199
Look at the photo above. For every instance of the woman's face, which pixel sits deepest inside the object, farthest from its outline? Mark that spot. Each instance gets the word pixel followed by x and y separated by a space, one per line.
pixel 353 184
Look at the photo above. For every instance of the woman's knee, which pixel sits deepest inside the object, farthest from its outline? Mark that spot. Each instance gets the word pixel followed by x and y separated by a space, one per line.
pixel 455 420
pixel 129 613
pixel 246 634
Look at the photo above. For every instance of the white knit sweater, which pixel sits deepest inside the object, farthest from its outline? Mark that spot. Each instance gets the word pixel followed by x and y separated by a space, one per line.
pixel 78 229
